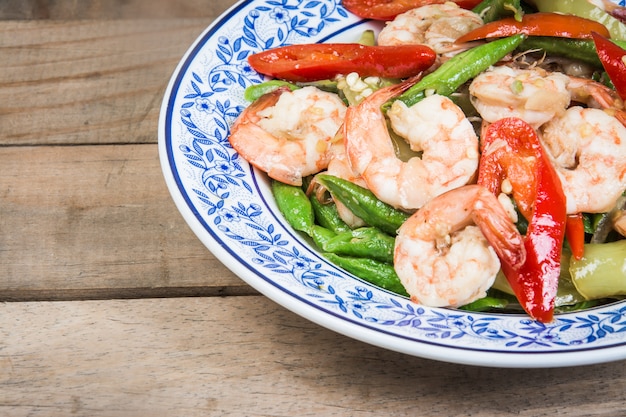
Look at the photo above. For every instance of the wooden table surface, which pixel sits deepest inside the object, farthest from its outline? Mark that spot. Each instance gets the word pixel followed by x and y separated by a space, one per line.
pixel 110 304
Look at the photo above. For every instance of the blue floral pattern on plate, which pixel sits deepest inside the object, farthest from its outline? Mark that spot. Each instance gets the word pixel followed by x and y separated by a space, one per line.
pixel 229 206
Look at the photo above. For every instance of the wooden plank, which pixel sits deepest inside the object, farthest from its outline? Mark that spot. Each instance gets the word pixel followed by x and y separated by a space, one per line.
pixel 111 9
pixel 97 222
pixel 88 81
pixel 246 356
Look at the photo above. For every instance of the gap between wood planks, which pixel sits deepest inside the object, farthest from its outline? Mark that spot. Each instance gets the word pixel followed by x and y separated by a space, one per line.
pixel 34 295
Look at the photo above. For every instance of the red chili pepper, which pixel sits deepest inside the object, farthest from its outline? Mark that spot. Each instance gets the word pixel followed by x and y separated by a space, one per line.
pixel 323 61
pixel 537 24
pixel 575 234
pixel 612 57
pixel 511 150
pixel 389 9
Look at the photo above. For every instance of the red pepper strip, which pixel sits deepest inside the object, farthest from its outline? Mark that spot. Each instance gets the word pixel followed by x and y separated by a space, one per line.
pixel 537 24
pixel 511 150
pixel 575 234
pixel 323 61
pixel 389 9
pixel 612 57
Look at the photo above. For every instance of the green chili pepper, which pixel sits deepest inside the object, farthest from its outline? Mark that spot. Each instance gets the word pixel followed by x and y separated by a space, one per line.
pixel 364 242
pixel 294 204
pixel 375 272
pixel 492 10
pixel 326 215
pixel 455 72
pixel 253 92
pixel 364 204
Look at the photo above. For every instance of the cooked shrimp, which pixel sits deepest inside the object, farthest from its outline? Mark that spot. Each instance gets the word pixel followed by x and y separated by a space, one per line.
pixel 436 25
pixel 535 95
pixel 436 127
pixel 588 148
pixel 532 95
pixel 448 253
pixel 288 134
pixel 339 166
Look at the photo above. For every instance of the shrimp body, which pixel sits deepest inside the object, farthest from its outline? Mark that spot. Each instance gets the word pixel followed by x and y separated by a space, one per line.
pixel 435 126
pixel 339 166
pixel 588 149
pixel 536 95
pixel 447 253
pixel 532 95
pixel 436 25
pixel 288 133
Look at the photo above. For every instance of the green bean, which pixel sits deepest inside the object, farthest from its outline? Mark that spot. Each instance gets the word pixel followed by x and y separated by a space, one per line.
pixel 326 215
pixel 375 272
pixel 446 79
pixel 494 300
pixel 294 204
pixel 253 92
pixel 364 242
pixel 321 235
pixel 579 49
pixel 364 204
pixel 602 270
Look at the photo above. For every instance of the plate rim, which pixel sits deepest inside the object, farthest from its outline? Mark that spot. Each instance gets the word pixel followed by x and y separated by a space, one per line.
pixel 300 306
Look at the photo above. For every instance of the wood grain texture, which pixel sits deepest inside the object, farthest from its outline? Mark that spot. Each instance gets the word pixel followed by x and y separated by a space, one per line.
pixel 97 221
pixel 111 9
pixel 85 214
pixel 88 82
pixel 246 356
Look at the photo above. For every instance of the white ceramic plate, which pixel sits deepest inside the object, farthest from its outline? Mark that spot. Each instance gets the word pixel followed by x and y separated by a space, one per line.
pixel 230 208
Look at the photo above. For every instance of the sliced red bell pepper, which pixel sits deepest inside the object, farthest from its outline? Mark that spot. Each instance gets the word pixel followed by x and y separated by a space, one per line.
pixel 389 9
pixel 613 60
pixel 511 150
pixel 323 61
pixel 575 234
pixel 537 24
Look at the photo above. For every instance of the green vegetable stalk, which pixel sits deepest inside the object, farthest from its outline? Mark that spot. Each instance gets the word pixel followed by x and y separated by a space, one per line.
pixel 294 204
pixel 582 50
pixel 364 204
pixel 254 92
pixel 364 242
pixel 378 273
pixel 453 73
pixel 326 215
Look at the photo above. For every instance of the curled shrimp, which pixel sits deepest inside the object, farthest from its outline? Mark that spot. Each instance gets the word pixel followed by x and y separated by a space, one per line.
pixel 588 149
pixel 448 252
pixel 435 25
pixel 535 95
pixel 435 126
pixel 288 133
pixel 339 166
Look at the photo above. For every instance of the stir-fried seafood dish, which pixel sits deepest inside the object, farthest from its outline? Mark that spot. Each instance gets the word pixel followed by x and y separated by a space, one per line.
pixel 469 154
